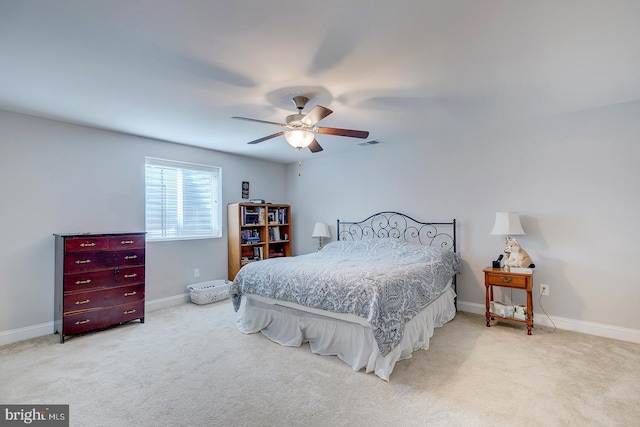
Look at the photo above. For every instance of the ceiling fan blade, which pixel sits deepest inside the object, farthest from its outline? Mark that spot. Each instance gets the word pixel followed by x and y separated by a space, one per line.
pixel 344 132
pixel 315 146
pixel 259 121
pixel 266 137
pixel 314 116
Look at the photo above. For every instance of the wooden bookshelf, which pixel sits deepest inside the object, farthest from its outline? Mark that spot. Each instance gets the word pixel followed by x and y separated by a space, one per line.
pixel 257 231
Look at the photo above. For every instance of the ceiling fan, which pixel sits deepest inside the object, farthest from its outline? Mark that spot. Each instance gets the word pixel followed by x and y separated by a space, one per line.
pixel 301 128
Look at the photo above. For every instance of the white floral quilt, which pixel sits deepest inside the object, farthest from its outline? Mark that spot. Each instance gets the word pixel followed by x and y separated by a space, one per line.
pixel 385 281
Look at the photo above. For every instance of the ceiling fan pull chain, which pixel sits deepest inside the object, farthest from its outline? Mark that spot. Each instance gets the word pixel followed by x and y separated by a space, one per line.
pixel 299 165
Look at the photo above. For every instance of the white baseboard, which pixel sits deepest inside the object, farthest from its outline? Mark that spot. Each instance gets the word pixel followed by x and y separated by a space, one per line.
pixel 590 328
pixel 158 304
pixel 28 332
pixel 34 331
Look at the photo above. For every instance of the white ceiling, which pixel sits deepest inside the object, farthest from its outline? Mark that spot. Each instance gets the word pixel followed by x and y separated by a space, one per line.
pixel 403 70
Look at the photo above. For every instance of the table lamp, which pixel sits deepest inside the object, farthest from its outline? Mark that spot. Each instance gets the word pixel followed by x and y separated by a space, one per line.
pixel 320 230
pixel 507 224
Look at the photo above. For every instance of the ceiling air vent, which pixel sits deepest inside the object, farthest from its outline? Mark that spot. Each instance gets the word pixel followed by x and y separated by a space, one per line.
pixel 367 143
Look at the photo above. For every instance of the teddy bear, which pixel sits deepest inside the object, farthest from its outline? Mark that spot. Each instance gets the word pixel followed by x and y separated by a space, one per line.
pixel 516 256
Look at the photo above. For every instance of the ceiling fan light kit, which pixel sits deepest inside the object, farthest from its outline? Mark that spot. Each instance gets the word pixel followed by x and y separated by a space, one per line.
pixel 299 138
pixel 301 128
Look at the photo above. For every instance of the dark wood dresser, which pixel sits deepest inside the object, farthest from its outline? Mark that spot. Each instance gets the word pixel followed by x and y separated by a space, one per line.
pixel 99 281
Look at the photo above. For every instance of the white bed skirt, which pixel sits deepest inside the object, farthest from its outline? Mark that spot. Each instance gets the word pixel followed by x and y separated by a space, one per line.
pixel 352 342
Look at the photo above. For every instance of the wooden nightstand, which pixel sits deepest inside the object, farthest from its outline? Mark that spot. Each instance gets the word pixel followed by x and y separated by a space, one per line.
pixel 497 277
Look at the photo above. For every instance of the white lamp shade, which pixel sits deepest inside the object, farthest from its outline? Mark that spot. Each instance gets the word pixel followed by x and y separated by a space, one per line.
pixel 507 224
pixel 299 138
pixel 321 230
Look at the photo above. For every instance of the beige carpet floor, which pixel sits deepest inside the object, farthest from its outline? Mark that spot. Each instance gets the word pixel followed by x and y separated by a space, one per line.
pixel 189 366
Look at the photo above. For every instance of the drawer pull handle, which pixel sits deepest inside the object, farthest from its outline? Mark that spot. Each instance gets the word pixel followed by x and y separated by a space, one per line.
pixel 128 294
pixel 126 242
pixel 83 282
pixel 87 245
pixel 129 311
pixel 506 279
pixel 129 276
pixel 131 256
pixel 82 322
pixel 83 301
pixel 83 261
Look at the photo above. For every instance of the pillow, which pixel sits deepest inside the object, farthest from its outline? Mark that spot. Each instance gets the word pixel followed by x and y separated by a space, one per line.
pixel 388 247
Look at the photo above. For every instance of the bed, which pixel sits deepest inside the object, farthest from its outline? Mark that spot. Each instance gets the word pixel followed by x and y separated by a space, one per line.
pixel 371 298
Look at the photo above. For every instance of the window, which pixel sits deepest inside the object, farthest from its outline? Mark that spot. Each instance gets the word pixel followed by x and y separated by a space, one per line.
pixel 182 200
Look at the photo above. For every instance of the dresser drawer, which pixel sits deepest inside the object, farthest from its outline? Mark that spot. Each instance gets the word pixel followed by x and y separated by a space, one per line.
pixel 89 243
pixel 92 261
pixel 133 241
pixel 84 321
pixel 83 281
pixel 103 298
pixel 508 280
pixel 127 257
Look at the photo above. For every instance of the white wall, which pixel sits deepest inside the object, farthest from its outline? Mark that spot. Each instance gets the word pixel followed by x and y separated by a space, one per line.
pixel 574 178
pixel 59 178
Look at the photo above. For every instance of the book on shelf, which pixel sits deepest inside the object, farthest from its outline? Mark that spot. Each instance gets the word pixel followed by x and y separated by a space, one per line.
pixel 252 215
pixel 276 255
pixel 276 215
pixel 251 236
pixel 251 219
pixel 275 233
pixel 258 252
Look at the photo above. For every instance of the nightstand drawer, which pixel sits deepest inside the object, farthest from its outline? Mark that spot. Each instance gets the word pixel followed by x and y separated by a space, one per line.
pixel 508 280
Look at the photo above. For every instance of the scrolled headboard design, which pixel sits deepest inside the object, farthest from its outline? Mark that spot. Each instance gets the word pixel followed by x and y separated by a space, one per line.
pixel 389 224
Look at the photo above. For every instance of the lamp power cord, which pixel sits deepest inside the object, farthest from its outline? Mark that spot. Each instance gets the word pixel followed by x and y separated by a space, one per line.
pixel 546 314
pixel 543 310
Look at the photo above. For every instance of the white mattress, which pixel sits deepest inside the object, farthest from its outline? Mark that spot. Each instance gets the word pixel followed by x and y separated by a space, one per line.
pixel 347 336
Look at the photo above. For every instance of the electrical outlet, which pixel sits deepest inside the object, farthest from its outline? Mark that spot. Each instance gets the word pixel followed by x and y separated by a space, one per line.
pixel 544 289
pixel 196 272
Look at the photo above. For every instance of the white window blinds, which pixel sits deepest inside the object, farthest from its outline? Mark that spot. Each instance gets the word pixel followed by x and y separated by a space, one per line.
pixel 182 200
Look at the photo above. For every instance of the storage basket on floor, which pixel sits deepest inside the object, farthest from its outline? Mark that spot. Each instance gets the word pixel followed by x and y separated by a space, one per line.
pixel 208 292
